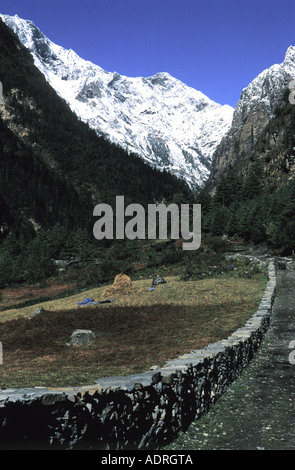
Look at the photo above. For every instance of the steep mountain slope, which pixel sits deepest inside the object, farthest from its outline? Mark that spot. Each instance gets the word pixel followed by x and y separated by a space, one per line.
pixel 168 124
pixel 53 167
pixel 258 133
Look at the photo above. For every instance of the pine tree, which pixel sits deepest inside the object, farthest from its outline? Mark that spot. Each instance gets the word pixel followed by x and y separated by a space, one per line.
pixel 206 200
pixel 229 188
pixel 219 220
pixel 38 263
pixel 253 183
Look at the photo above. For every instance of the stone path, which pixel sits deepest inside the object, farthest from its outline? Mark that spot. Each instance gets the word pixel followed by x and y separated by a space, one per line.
pixel 258 410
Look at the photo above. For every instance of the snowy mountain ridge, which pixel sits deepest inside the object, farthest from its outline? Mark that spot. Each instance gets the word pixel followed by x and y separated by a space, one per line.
pixel 170 125
pixel 266 89
pixel 254 111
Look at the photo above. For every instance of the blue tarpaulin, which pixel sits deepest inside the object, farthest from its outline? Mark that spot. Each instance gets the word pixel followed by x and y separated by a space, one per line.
pixel 93 302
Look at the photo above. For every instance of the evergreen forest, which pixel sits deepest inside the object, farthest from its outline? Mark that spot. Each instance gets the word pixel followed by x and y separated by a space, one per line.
pixel 244 208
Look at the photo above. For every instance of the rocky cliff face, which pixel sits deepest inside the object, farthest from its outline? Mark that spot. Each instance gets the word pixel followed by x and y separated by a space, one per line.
pixel 258 132
pixel 170 125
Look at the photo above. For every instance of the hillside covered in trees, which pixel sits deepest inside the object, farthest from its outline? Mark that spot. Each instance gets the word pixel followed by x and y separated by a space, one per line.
pixel 244 207
pixel 255 197
pixel 54 169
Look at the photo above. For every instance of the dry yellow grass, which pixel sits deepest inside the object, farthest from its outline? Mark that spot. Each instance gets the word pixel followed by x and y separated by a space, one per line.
pixel 133 333
pixel 216 291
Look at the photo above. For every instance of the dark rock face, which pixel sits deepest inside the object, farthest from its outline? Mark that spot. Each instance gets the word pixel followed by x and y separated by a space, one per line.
pixel 257 133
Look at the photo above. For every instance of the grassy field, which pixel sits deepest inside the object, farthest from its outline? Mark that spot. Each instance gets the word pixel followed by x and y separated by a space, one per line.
pixel 133 333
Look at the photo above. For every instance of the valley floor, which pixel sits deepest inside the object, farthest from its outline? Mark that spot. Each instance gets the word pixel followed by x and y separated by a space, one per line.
pixel 257 412
pixel 138 330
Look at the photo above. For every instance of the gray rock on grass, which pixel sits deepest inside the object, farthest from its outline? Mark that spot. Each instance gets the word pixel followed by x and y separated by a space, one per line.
pixel 81 338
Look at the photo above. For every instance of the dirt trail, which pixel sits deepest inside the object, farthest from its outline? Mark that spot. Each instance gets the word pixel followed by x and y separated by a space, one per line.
pixel 258 410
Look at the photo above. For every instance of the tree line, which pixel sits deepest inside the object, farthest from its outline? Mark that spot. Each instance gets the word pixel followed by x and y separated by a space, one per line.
pixel 243 207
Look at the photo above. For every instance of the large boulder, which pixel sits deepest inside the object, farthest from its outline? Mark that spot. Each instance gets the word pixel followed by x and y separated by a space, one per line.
pixel 81 338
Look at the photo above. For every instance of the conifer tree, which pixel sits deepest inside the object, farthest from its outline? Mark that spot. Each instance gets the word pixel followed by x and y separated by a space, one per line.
pixel 229 189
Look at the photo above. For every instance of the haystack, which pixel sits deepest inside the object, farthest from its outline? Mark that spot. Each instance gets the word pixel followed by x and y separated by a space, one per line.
pixel 122 285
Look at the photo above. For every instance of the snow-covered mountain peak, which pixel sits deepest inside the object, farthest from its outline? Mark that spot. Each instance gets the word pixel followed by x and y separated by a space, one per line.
pixel 266 90
pixel 258 105
pixel 170 125
pixel 290 52
pixel 289 61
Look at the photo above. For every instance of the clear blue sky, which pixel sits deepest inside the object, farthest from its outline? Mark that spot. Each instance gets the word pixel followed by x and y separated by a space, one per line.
pixel 215 46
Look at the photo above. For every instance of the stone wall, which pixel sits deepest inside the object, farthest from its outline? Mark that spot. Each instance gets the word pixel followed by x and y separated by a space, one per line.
pixel 141 411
